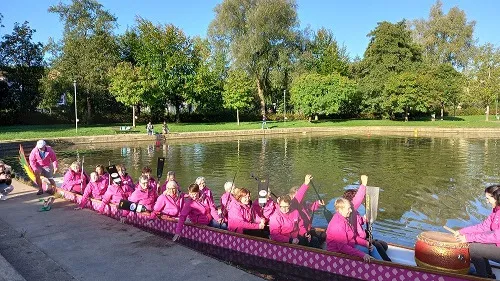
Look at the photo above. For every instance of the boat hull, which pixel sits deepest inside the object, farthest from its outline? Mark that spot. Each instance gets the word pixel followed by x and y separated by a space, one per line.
pixel 320 261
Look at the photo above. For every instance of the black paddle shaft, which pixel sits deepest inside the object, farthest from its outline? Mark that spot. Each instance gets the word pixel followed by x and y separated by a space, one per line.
pixel 328 215
pixel 159 167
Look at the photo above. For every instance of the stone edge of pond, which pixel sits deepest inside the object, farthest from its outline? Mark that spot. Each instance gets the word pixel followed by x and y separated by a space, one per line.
pixel 361 130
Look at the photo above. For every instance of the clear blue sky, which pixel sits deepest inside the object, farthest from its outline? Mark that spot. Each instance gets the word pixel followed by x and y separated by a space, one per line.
pixel 350 21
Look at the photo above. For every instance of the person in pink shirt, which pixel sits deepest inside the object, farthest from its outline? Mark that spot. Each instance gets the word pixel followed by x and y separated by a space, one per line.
pixel 75 180
pixel 40 159
pixel 144 194
pixel 199 210
pixel 146 171
pixel 169 203
pixel 226 199
pixel 170 177
pixel 95 189
pixel 284 223
pixel 102 174
pixel 340 236
pixel 305 209
pixel 243 216
pixel 484 238
pixel 204 190
pixel 356 196
pixel 126 179
pixel 115 193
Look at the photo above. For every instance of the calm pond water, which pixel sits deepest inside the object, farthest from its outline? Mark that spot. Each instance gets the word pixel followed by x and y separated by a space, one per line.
pixel 425 182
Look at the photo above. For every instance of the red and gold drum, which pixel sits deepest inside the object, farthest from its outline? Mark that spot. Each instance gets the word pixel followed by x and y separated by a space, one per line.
pixel 437 250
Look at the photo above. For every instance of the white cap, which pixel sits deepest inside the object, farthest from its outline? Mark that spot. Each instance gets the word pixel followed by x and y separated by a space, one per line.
pixel 40 144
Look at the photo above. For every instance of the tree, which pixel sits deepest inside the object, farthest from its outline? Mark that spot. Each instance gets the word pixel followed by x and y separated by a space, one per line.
pixel 389 52
pixel 404 92
pixel 256 32
pixel 484 76
pixel 88 51
pixel 22 62
pixel 167 55
pixel 444 83
pixel 128 84
pixel 315 94
pixel 239 91
pixel 445 38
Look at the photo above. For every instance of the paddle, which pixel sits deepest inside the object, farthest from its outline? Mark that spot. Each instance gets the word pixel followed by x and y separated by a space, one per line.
pixel 371 210
pixel 159 172
pixel 257 179
pixel 454 232
pixel 81 177
pixel 328 215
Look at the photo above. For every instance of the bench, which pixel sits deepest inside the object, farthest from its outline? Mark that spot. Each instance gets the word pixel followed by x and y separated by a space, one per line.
pixel 126 130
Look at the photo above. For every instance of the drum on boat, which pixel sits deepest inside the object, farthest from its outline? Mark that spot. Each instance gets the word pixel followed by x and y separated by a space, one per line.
pixel 438 250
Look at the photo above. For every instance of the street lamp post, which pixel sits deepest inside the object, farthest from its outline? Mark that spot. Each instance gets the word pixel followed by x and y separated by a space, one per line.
pixel 76 112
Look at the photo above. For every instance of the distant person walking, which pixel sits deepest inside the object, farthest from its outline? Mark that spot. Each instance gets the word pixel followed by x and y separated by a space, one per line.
pixel 165 129
pixel 264 121
pixel 150 129
pixel 41 158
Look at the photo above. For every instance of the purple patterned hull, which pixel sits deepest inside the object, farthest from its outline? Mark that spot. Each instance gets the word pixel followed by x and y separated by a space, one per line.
pixel 319 261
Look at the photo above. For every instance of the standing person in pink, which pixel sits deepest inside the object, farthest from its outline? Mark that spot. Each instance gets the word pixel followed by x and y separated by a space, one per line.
pixel 43 162
pixel 114 193
pixel 340 236
pixel 144 194
pixel 169 203
pixel 95 189
pixel 75 180
pixel 170 177
pixel 204 190
pixel 126 179
pixel 243 217
pixel 199 210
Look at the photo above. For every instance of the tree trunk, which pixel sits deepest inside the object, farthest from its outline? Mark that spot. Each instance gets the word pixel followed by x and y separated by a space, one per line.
pixel 178 113
pixel 260 93
pixel 442 111
pixel 238 116
pixel 89 111
pixel 133 116
pixel 487 112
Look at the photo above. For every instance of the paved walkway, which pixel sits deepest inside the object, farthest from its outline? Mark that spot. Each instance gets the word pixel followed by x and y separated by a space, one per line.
pixel 64 244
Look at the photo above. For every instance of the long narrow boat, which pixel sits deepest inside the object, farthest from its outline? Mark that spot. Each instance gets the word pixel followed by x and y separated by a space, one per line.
pixel 293 261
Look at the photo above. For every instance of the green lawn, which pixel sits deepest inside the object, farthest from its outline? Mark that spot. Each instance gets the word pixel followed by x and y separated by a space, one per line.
pixel 54 131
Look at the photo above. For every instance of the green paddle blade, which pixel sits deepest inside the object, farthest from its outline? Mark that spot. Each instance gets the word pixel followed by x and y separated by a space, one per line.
pixel 372 193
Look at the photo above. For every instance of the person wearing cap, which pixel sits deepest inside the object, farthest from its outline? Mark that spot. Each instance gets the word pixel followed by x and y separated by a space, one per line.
pixel 43 162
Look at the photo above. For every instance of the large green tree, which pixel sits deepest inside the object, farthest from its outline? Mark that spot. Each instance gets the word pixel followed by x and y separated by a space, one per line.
pixel 168 57
pixel 128 84
pixel 389 52
pixel 257 33
pixel 314 94
pixel 445 38
pixel 89 50
pixel 21 61
pixel 239 91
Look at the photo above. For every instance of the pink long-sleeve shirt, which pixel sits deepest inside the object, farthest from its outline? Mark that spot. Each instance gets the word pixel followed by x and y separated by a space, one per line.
pixel 145 197
pixel 200 211
pixel 114 194
pixel 284 226
pixel 241 216
pixel 206 192
pixel 358 220
pixel 168 205
pixel 73 181
pixel 487 232
pixel 128 182
pixel 37 162
pixel 94 190
pixel 304 210
pixel 340 237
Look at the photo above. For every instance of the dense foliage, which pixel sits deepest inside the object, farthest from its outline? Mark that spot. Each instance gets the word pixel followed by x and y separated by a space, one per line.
pixel 256 60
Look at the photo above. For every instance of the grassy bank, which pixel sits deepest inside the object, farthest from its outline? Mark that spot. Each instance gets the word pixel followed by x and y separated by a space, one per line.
pixel 55 131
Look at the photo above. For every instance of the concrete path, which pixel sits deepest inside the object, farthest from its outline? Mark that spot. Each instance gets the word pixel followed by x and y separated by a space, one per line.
pixel 64 244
